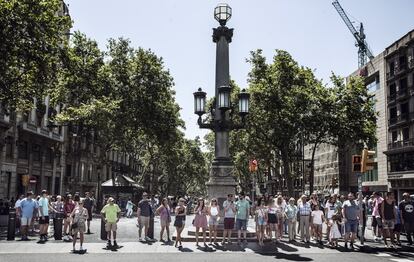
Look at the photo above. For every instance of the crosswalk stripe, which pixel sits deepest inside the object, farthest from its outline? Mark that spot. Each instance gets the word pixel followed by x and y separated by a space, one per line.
pixel 401 260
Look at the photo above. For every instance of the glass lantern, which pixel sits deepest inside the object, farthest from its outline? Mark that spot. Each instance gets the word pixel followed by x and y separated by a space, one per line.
pixel 244 102
pixel 222 13
pixel 200 102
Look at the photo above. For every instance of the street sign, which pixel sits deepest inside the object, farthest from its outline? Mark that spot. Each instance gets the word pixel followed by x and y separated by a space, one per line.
pixel 32 180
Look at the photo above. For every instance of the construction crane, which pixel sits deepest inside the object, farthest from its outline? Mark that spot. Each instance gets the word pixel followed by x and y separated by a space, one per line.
pixel 363 49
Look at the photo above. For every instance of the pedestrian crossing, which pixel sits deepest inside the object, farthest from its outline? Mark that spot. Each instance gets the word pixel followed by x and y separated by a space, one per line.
pixel 394 259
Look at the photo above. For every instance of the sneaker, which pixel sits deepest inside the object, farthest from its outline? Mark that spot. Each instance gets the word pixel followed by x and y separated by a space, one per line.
pixel 108 244
pixel 352 245
pixel 115 244
pixel 147 239
pixel 81 248
pixel 88 232
pixel 346 245
pixel 140 239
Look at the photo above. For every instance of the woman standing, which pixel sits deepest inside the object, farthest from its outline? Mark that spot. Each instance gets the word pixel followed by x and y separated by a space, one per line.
pixel 261 220
pixel 272 218
pixel 200 220
pixel 165 219
pixel 213 212
pixel 80 215
pixel 291 216
pixel 280 213
pixel 179 222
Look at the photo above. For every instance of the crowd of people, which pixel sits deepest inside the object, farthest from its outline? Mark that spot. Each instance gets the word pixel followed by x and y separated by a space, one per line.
pixel 74 211
pixel 275 217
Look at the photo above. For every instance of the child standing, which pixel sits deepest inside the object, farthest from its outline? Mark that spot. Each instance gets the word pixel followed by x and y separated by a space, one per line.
pixel 334 233
pixel 261 220
pixel 317 220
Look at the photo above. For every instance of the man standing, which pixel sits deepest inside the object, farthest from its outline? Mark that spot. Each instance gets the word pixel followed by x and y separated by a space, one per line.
pixel 18 214
pixel 44 207
pixel 144 213
pixel 88 203
pixel 407 216
pixel 305 211
pixel 242 217
pixel 350 213
pixel 112 213
pixel 27 209
pixel 389 216
pixel 229 213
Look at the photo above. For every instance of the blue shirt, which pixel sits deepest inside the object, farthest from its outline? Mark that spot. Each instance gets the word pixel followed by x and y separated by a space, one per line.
pixel 44 205
pixel 28 206
pixel 291 211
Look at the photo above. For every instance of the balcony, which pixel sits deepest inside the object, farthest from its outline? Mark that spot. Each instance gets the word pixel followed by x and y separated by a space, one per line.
pixel 392 98
pixel 402 93
pixel 43 132
pixel 401 144
pixel 401 119
pixel 390 75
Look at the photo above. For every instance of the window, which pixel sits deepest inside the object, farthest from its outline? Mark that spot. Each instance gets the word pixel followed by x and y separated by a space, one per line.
pixel 392 68
pixel 402 62
pixel 393 112
pixel 393 90
pixel 49 156
pixel 36 153
pixel 404 109
pixel 403 84
pixel 394 136
pixel 9 147
pixel 23 150
pixel 406 133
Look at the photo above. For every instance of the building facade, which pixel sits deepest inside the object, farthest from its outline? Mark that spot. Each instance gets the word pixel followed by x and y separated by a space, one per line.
pixel 400 107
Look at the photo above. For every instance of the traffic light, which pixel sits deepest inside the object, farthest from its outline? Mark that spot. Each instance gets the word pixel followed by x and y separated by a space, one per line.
pixel 253 165
pixel 367 162
pixel 356 163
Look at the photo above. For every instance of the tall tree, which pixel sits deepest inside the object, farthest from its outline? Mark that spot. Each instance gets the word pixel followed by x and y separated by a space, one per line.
pixel 32 33
pixel 280 100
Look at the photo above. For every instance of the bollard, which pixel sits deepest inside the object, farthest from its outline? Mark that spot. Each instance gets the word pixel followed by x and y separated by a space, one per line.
pixel 57 227
pixel 151 227
pixel 11 229
pixel 104 235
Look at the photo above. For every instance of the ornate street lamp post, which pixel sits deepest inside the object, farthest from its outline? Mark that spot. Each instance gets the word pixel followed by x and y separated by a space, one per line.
pixel 221 181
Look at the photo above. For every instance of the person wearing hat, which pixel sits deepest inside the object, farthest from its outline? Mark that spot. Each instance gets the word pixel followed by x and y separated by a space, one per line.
pixel 27 209
pixel 406 208
pixel 112 213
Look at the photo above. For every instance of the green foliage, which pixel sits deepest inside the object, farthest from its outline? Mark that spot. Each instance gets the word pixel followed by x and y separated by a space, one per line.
pixel 31 39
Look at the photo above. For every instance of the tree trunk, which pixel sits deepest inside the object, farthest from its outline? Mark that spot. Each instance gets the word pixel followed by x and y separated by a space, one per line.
pixel 286 172
pixel 312 173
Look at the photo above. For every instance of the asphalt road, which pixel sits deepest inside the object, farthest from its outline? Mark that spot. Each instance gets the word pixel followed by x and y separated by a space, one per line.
pixel 199 257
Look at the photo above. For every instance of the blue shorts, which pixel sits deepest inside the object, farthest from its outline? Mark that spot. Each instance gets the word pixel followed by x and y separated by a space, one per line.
pixel 241 224
pixel 351 226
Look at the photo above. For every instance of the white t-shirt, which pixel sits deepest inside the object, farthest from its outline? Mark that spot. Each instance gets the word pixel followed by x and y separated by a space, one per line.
pixel 317 217
pixel 331 209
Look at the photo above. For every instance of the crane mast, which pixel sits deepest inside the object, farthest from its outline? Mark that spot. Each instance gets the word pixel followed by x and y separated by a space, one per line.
pixel 363 49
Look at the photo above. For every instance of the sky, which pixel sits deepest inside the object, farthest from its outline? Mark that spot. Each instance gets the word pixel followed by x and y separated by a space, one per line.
pixel 180 32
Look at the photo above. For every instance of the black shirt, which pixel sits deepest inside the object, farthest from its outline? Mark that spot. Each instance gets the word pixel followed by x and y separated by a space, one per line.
pixel 406 208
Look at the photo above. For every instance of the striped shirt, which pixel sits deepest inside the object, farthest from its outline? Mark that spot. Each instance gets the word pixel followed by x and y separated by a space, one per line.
pixel 305 209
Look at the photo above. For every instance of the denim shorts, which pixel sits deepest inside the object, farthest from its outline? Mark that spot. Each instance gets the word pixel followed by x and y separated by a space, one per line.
pixel 351 226
pixel 241 224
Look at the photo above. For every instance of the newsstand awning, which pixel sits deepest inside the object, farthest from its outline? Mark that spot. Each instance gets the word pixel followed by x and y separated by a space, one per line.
pixel 123 184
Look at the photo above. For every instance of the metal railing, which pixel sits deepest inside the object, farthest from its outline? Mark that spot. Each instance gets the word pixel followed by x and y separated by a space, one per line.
pixel 400 144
